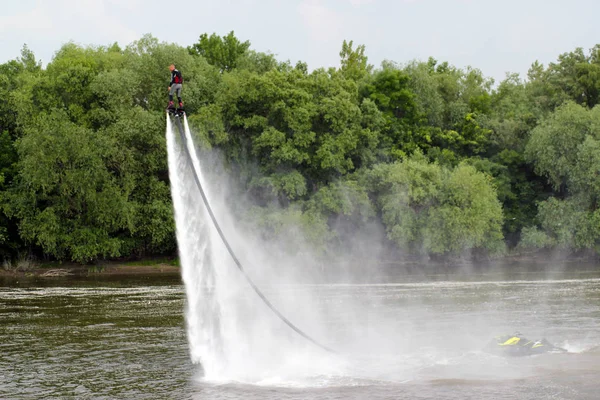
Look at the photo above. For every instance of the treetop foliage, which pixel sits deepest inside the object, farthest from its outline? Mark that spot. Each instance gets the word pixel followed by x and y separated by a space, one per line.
pixel 443 159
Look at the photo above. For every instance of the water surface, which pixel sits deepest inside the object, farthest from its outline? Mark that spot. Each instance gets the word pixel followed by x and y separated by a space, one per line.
pixel 106 339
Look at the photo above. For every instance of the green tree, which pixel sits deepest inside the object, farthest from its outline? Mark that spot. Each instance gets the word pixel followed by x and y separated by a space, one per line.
pixel 289 120
pixel 389 90
pixel 553 146
pixel 140 165
pixel 431 209
pixel 428 149
pixel 354 63
pixel 106 137
pixel 578 76
pixel 423 82
pixel 222 52
pixel 565 148
pixel 65 198
pixel 10 242
pixel 291 227
pixel 13 74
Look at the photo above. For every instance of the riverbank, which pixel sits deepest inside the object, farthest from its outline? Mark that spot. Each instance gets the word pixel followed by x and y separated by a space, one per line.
pixel 52 270
pixel 536 262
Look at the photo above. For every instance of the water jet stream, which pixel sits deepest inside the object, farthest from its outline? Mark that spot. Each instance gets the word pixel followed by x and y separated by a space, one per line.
pixel 190 152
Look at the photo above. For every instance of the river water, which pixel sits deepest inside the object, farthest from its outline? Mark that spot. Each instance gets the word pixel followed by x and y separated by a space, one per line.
pixel 410 339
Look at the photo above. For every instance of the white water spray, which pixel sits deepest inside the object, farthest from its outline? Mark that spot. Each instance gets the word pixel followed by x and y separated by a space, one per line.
pixel 230 331
pixel 235 337
pixel 204 333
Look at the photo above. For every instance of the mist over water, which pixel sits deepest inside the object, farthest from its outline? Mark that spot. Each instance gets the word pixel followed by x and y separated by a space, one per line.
pixel 386 334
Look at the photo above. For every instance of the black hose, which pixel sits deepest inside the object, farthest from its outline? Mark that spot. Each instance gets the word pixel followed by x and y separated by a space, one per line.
pixel 235 259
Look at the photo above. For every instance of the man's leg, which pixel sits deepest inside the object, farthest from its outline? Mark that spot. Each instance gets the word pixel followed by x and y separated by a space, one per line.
pixel 171 92
pixel 178 88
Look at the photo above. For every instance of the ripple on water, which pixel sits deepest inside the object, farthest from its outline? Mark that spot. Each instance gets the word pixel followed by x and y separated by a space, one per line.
pixel 417 341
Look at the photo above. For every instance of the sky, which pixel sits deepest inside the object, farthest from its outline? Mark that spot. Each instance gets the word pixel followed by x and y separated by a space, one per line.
pixel 496 36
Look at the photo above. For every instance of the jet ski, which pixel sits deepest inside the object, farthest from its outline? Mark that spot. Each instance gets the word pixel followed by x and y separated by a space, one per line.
pixel 517 345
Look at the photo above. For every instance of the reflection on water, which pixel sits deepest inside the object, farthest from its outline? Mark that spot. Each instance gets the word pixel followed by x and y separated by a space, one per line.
pixel 125 338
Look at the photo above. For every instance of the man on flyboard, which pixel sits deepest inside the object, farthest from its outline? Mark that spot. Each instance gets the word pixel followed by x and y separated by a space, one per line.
pixel 175 87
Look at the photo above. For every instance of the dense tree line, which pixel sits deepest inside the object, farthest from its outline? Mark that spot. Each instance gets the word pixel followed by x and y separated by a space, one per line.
pixel 443 159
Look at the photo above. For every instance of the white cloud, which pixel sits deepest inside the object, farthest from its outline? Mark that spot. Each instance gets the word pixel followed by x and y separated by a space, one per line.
pixel 33 20
pixel 130 5
pixel 323 23
pixel 358 3
pixel 94 18
pixel 81 21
